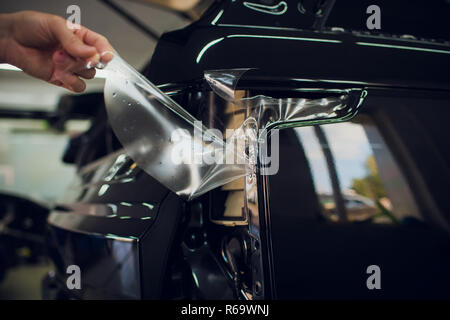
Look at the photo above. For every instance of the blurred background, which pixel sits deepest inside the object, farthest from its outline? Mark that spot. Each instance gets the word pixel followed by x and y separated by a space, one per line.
pixel 32 141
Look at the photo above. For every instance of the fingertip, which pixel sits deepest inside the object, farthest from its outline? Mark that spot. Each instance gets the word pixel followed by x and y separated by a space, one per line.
pixel 107 56
pixel 93 61
pixel 79 86
pixel 70 81
pixel 76 84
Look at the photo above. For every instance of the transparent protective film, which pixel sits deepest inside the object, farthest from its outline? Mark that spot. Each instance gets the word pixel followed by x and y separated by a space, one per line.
pixel 184 155
pixel 333 105
pixel 291 108
pixel 164 139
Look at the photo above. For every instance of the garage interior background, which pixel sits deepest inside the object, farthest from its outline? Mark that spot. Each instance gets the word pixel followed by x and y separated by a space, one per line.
pixel 30 151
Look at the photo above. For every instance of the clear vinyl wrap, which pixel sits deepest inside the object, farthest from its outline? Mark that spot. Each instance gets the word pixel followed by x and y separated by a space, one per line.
pixel 183 154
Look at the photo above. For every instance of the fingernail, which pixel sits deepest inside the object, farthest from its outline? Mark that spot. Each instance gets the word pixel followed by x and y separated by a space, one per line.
pixel 90 65
pixel 109 53
pixel 93 62
pixel 106 56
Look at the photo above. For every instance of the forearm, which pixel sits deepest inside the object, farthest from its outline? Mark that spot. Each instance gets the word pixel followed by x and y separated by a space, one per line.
pixel 6 26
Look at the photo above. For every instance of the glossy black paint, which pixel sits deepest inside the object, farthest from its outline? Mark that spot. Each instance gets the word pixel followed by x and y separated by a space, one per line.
pixel 103 226
pixel 22 225
pixel 281 51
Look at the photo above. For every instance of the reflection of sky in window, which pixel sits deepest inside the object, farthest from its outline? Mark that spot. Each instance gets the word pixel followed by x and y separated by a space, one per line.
pixel 350 148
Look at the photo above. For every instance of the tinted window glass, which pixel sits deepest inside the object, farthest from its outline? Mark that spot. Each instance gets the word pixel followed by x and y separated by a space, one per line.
pixel 390 209
pixel 372 185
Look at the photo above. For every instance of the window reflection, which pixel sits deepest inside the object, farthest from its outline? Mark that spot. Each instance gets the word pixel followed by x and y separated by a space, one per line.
pixel 368 184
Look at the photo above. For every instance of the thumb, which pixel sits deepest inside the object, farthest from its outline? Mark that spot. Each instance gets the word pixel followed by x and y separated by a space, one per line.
pixel 69 41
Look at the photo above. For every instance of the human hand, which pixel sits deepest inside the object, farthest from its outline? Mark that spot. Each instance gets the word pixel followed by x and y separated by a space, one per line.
pixel 44 47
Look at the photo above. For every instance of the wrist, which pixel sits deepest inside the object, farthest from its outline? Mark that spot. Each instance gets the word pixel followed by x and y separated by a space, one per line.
pixel 6 27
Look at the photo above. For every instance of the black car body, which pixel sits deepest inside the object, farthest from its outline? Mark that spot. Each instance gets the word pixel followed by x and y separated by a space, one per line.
pixel 135 239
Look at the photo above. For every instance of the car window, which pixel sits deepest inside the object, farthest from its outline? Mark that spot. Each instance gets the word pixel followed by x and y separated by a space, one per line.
pixel 370 191
pixel 372 185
